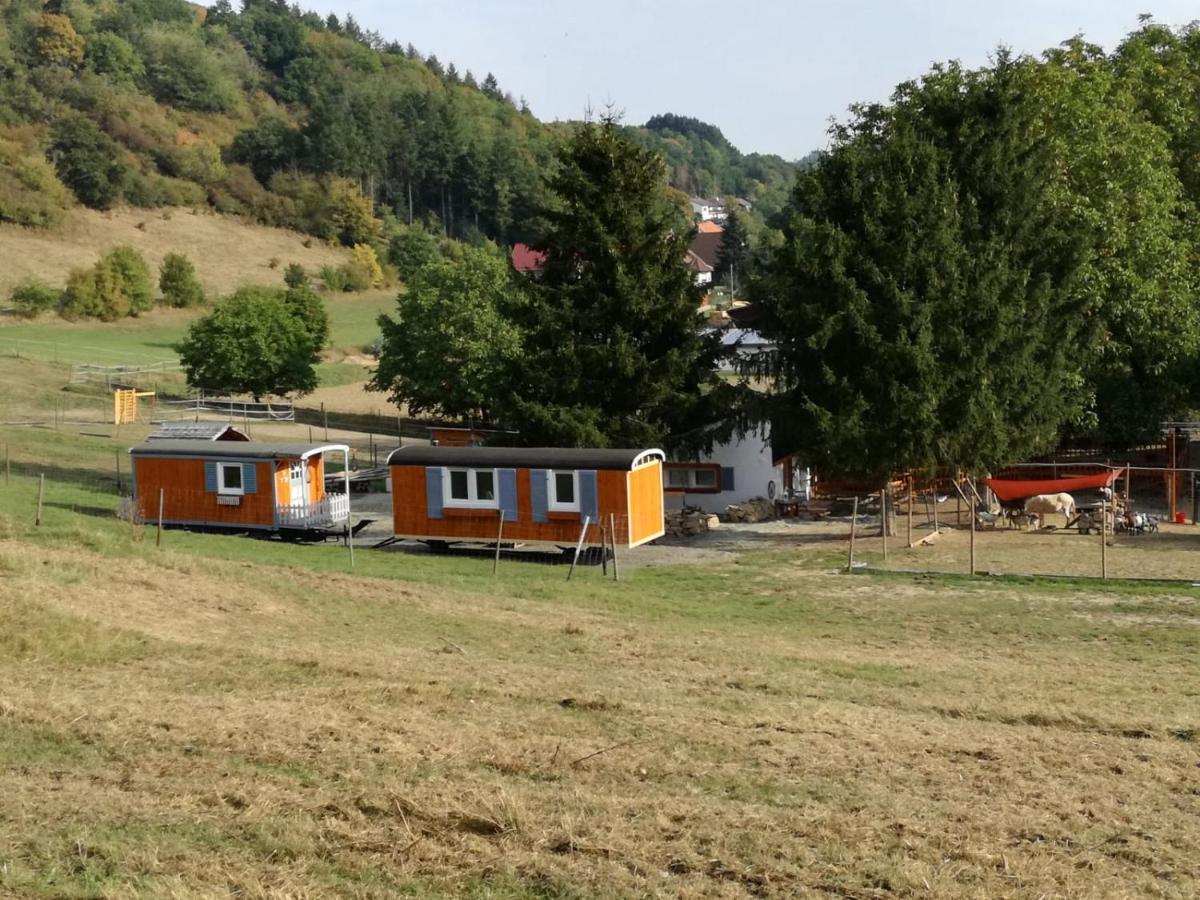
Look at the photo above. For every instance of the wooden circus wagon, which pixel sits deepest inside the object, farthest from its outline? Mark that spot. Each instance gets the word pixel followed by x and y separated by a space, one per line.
pixel 238 485
pixel 548 496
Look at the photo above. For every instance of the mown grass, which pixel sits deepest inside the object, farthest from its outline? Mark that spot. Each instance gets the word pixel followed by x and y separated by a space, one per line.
pixel 229 716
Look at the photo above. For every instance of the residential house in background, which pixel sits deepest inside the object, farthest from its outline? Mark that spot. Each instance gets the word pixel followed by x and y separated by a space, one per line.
pixel 735 471
pixel 708 208
pixel 702 271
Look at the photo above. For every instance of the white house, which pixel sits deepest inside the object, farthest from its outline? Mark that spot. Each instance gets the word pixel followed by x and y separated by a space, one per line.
pixel 734 472
pixel 706 208
pixel 702 272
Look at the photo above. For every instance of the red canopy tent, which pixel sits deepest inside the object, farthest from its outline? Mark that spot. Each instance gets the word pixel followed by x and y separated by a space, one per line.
pixel 1009 490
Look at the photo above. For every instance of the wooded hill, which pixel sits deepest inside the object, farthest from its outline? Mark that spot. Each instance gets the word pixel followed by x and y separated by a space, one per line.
pixel 290 119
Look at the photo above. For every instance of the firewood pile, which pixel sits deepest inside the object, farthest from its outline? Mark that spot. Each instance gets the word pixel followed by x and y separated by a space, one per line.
pixel 756 510
pixel 689 521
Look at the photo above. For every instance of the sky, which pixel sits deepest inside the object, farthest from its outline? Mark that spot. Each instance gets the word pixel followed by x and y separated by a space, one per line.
pixel 771 74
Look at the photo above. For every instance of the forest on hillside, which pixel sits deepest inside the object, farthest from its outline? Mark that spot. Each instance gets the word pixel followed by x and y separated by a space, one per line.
pixel 291 119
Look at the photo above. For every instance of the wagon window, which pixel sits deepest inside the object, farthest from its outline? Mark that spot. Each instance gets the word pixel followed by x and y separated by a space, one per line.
pixel 485 485
pixel 230 478
pixel 563 491
pixel 469 488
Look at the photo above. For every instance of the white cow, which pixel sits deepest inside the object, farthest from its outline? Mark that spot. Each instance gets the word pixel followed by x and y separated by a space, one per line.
pixel 1043 505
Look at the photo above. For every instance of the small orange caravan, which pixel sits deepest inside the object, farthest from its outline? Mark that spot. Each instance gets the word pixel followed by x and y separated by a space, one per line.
pixel 237 484
pixel 546 495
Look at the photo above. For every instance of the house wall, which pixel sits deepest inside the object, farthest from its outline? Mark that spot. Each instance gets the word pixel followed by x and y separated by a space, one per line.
pixel 186 500
pixel 410 513
pixel 753 470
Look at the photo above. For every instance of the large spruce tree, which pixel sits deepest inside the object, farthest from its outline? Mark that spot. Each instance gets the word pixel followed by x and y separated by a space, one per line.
pixel 614 354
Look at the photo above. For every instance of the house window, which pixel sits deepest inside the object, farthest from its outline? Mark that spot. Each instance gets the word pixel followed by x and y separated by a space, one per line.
pixel 701 479
pixel 229 479
pixel 470 488
pixel 563 491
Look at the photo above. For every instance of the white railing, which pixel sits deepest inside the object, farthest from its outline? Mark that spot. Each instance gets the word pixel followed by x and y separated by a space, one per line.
pixel 333 508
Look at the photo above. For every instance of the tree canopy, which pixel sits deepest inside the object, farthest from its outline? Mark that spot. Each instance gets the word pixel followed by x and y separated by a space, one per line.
pixel 251 343
pixel 972 265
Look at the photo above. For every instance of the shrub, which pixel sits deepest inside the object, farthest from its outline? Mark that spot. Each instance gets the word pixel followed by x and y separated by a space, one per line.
pixel 32 296
pixel 131 278
pixel 58 43
pixel 350 214
pixel 88 162
pixel 30 192
pixel 356 277
pixel 294 276
pixel 118 286
pixel 178 282
pixel 364 258
pixel 113 57
pixel 81 299
pixel 410 248
pixel 335 279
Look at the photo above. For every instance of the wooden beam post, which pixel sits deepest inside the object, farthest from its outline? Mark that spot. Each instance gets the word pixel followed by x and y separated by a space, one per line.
pixel 158 537
pixel 499 538
pixel 612 530
pixel 971 516
pixel 579 546
pixel 853 527
pixel 910 509
pixel 41 490
pixel 883 514
pixel 325 416
pixel 604 550
pixel 1104 540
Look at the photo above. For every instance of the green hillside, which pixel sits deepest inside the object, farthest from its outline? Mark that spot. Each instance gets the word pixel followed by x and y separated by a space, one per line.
pixel 286 118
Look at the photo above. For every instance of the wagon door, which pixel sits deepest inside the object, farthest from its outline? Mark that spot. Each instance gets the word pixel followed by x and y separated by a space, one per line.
pixel 299 484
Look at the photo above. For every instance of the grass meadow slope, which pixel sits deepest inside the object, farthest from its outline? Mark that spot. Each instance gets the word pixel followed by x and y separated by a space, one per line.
pixel 224 716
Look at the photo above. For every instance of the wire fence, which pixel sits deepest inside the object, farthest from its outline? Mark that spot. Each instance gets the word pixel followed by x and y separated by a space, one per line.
pixel 1144 528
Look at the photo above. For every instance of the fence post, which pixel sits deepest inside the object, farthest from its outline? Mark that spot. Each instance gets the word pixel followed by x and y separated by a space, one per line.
pixel 41 490
pixel 579 546
pixel 853 526
pixel 883 522
pixel 1104 540
pixel 612 530
pixel 910 509
pixel 117 454
pixel 7 466
pixel 971 515
pixel 158 536
pixel 325 416
pixel 499 538
pixel 604 549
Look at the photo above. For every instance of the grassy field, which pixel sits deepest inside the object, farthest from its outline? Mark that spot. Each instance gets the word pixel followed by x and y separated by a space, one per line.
pixel 149 338
pixel 223 716
pixel 227 251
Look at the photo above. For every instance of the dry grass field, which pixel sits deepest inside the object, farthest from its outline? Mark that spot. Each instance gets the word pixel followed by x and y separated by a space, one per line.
pixel 231 717
pixel 227 251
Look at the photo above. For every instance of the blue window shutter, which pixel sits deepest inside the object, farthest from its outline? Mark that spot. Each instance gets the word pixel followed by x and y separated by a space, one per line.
pixel 433 491
pixel 727 478
pixel 508 493
pixel 588 498
pixel 249 478
pixel 538 494
pixel 210 477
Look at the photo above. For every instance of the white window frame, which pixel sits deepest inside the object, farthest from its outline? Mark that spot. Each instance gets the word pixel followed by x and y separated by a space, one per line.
pixel 472 501
pixel 691 483
pixel 228 491
pixel 552 503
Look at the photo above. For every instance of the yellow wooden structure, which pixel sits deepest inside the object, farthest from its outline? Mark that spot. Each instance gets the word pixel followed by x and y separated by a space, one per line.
pixel 125 402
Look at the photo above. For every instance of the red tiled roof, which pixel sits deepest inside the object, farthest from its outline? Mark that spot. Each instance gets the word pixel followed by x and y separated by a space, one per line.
pixel 707 246
pixel 696 263
pixel 709 227
pixel 526 259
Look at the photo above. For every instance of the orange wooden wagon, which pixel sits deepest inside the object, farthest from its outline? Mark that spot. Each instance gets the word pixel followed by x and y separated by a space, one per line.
pixel 238 485
pixel 547 496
